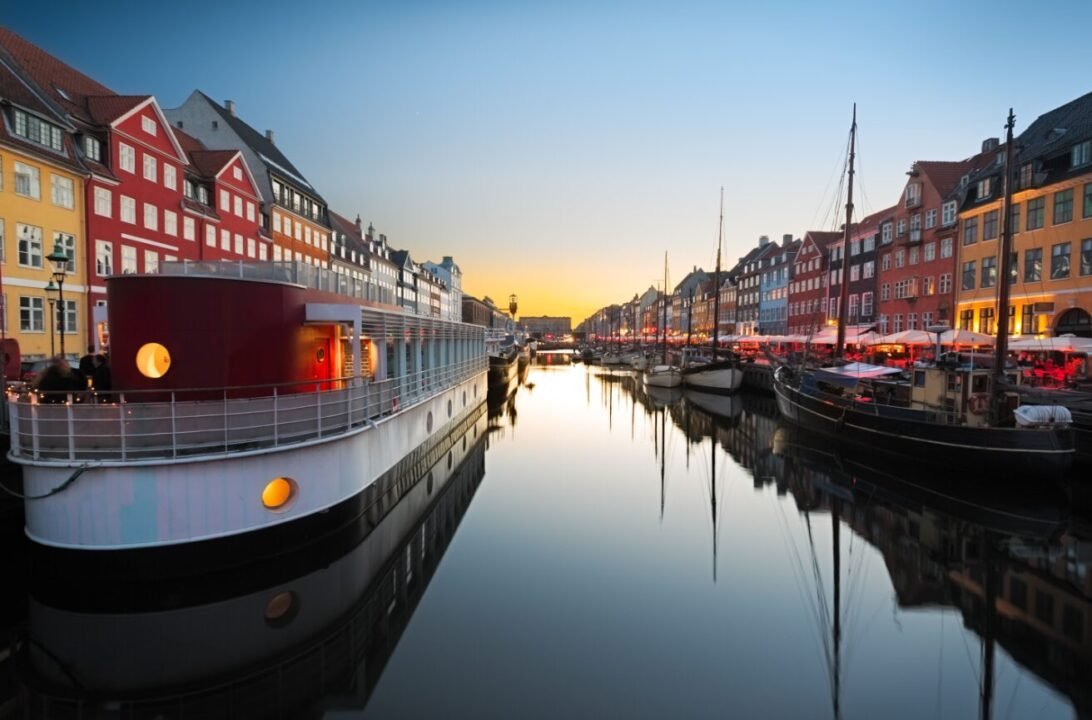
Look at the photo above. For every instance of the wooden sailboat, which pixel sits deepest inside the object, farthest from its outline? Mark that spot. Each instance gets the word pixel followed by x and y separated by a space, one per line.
pixel 664 375
pixel 950 416
pixel 724 376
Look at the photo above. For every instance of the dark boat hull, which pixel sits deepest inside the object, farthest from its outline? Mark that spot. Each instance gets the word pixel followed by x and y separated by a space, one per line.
pixel 1038 453
pixel 502 369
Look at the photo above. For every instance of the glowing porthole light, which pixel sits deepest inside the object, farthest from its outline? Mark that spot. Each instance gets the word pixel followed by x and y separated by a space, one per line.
pixel 281 609
pixel 153 360
pixel 278 492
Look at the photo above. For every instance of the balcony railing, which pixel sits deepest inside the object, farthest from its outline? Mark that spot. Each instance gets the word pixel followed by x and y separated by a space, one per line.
pixel 76 427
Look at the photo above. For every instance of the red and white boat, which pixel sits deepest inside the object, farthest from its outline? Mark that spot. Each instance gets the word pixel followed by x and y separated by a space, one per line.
pixel 247 398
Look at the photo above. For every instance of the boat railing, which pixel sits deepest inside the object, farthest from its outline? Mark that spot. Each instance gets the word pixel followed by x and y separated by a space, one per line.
pixel 160 424
pixel 871 406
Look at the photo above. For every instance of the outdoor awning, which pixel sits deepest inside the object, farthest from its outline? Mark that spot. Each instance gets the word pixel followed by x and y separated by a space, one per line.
pixel 829 335
pixel 1054 344
pixel 909 337
pixel 965 337
pixel 851 374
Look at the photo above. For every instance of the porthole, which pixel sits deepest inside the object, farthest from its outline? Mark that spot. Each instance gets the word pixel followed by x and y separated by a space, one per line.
pixel 279 493
pixel 428 422
pixel 464 398
pixel 475 391
pixel 464 443
pixel 450 457
pixel 320 354
pixel 449 408
pixel 281 609
pixel 153 360
pixel 428 484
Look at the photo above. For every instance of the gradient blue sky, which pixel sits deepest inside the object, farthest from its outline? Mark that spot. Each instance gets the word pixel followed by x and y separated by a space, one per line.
pixel 557 149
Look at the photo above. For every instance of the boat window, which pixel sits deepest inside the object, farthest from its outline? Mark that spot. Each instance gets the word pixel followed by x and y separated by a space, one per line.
pixel 919 378
pixel 153 360
pixel 979 383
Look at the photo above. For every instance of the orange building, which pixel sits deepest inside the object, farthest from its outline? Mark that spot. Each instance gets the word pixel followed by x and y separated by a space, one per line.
pixel 1052 232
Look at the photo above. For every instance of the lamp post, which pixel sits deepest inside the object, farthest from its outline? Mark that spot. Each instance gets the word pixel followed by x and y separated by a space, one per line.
pixel 50 289
pixel 59 258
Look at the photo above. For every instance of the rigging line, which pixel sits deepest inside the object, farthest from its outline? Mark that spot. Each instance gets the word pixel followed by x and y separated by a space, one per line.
pixel 830 182
pixel 820 588
pixel 940 670
pixel 798 572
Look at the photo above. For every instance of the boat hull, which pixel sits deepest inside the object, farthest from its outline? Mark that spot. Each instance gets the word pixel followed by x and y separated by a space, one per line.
pixel 1039 453
pixel 663 378
pixel 722 377
pixel 161 503
pixel 502 369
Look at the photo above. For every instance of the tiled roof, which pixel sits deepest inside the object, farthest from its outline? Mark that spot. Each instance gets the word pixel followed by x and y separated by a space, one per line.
pixel 348 228
pixel 1056 131
pixel 186 141
pixel 871 223
pixel 822 238
pixel 265 149
pixel 209 163
pixel 105 109
pixel 65 86
pixel 12 89
pixel 945 176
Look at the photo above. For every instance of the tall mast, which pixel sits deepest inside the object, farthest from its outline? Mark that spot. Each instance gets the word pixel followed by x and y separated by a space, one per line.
pixel 843 296
pixel 1003 290
pixel 665 311
pixel 836 537
pixel 716 277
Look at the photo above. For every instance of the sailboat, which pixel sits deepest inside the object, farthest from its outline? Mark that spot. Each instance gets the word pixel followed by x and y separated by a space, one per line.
pixel 725 376
pixel 664 375
pixel 951 416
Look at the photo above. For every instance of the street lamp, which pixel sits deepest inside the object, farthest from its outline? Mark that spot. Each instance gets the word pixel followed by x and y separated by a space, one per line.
pixel 49 290
pixel 59 258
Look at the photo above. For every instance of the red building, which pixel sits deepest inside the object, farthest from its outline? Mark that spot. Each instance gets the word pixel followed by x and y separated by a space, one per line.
pixel 864 241
pixel 808 287
pixel 220 205
pixel 917 255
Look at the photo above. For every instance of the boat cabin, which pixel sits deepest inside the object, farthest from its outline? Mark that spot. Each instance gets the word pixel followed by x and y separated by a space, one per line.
pixel 960 391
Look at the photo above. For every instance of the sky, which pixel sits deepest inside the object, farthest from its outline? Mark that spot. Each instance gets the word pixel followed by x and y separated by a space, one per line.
pixel 558 149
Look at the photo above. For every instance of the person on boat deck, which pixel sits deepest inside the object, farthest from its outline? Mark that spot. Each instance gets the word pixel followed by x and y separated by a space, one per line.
pixel 87 362
pixel 100 380
pixel 57 380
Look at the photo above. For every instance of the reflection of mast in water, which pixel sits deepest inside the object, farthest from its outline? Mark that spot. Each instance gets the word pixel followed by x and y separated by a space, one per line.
pixel 663 460
pixel 986 694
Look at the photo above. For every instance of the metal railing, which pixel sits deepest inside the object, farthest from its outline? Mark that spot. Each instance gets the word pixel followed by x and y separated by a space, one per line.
pixel 73 427
pixel 290 271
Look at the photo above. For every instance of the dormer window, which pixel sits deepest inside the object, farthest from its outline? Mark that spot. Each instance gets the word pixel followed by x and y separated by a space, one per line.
pixel 37 130
pixel 913 195
pixel 948 213
pixel 187 189
pixel 202 195
pixel 92 148
pixel 985 187
pixel 1081 154
pixel 1026 175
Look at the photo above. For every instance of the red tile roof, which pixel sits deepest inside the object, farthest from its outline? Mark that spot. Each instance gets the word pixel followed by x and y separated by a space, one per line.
pixel 105 109
pixel 209 163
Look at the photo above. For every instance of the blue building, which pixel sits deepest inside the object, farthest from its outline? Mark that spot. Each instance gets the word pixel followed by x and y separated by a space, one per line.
pixel 774 271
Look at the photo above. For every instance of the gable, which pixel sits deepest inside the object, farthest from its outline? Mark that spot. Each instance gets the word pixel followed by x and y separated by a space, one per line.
pixel 147 125
pixel 236 175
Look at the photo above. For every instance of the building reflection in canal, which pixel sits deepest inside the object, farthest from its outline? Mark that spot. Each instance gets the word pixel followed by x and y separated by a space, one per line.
pixel 305 635
pixel 1012 561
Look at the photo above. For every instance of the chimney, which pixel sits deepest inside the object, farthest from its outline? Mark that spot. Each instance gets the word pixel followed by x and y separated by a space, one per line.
pixel 990 144
pixel 359 225
pixel 786 240
pixel 269 136
pixel 229 105
pixel 763 240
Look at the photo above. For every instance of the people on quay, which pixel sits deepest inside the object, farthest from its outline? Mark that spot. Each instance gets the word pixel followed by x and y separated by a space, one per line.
pixel 100 379
pixel 58 380
pixel 87 362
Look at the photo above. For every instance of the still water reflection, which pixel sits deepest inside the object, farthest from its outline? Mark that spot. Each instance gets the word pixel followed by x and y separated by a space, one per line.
pixel 630 552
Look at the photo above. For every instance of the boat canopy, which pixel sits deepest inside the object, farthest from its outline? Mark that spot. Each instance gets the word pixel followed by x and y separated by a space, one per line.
pixel 851 374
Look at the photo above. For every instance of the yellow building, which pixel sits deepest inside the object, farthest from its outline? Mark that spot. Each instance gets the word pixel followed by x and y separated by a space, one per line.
pixel 1051 292
pixel 41 206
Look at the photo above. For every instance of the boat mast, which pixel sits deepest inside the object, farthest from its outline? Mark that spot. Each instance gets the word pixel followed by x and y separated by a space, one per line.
pixel 716 277
pixel 836 542
pixel 665 311
pixel 843 295
pixel 1001 349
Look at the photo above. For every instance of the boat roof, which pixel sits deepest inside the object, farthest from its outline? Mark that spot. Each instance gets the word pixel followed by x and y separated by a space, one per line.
pixel 852 373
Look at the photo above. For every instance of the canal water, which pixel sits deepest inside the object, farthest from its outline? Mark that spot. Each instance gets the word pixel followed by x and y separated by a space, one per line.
pixel 590 548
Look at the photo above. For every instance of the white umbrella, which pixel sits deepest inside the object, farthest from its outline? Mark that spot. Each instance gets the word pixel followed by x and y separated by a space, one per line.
pixel 909 337
pixel 1055 344
pixel 965 337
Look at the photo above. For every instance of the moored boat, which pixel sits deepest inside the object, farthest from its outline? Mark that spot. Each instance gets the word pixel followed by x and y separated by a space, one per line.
pixel 283 404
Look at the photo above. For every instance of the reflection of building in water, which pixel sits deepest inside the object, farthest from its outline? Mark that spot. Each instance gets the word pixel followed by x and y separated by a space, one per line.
pixel 961 550
pixel 305 644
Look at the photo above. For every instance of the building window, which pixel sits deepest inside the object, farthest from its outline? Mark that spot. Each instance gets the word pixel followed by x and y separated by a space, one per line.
pixel 985 320
pixel 151 261
pixel 1081 154
pixel 900 227
pixel 989 271
pixel 1033 265
pixel 1014 219
pixel 61 191
pixel 1063 206
pixel 1086 257
pixel 92 148
pixel 1087 210
pixel 866 305
pixel 896 323
pixel 68 245
pixel 30 245
pixel 1035 213
pixel 926 320
pixel 885 292
pixel 104 258
pixel 151 216
pixel 170 177
pixel 251 247
pixel 930 252
pixel 126 157
pixel 946 247
pixel 869 269
pixel 238 244
pixel 1026 176
pixel 928 286
pixel 276 222
pixel 128 260
pixel 189 229
pixel 170 222
pixel 948 213
pixel 970 231
pixel 930 219
pixel 869 244
pixel 885 233
pixel 966 319
pixel 985 186
pixel 989 225
pixel 104 200
pixel 250 216
pixel 238 206
pixel 31 314
pixel 854 247
pixel 27 181
pixel 37 131
pixel 911 321
pixel 237 172
pixel 914 252
pixel 225 201
pixel 900 258
pixel 1014 264
pixel 944 285
pixel 225 239
pixel 210 236
pixel 202 195
pixel 915 221
pixel 263 253
pixel 1027 320
pixel 854 273
pixel 187 189
pixel 968 275
pixel 151 169
pixel 66 317
pixel 148 125
pixel 128 210
pixel 1059 261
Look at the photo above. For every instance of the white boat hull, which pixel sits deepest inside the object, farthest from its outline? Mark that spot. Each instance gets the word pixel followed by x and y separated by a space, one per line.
pixel 154 503
pixel 663 377
pixel 720 380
